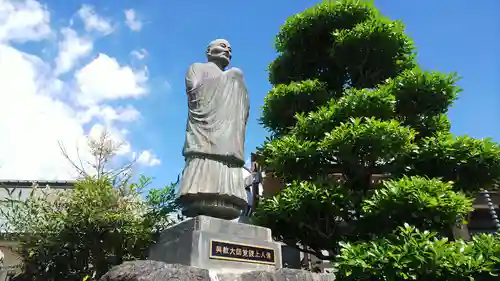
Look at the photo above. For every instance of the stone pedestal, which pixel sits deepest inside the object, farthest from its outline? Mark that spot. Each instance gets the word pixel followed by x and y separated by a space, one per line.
pixel 159 271
pixel 218 245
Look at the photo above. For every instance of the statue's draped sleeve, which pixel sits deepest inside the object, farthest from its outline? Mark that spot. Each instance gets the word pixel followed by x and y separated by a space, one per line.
pixel 218 112
pixel 192 80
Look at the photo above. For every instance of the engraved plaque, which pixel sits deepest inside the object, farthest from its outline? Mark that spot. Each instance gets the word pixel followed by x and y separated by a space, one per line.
pixel 225 250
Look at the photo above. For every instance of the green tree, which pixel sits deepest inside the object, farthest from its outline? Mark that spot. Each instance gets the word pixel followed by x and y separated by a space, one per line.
pixel 349 102
pixel 80 233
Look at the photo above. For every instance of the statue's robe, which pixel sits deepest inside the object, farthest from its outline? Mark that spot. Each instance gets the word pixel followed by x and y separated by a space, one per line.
pixel 215 135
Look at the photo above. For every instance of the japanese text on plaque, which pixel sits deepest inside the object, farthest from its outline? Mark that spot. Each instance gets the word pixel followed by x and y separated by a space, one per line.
pixel 241 252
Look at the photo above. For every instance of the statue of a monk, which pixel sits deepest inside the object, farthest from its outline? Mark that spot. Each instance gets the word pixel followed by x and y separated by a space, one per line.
pixel 212 183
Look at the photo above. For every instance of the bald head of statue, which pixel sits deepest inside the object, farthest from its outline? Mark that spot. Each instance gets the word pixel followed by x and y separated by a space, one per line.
pixel 219 52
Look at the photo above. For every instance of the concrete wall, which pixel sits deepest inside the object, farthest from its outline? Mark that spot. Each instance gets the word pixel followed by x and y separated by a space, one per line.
pixel 11 258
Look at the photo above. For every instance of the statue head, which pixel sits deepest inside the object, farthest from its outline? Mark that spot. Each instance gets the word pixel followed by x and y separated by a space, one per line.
pixel 219 52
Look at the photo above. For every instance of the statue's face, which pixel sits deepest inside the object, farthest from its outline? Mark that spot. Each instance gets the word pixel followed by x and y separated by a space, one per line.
pixel 219 51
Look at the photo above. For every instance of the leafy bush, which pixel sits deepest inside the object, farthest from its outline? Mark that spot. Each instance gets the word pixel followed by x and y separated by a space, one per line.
pixel 67 235
pixel 410 254
pixel 79 233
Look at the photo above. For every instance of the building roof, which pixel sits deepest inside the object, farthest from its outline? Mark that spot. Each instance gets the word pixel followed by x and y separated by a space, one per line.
pixel 30 183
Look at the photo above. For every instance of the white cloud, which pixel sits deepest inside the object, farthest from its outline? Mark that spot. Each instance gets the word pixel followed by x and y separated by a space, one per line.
pixel 29 144
pixel 38 108
pixel 131 20
pixel 71 49
pixel 108 115
pixel 22 21
pixel 167 85
pixel 93 22
pixel 104 79
pixel 139 54
pixel 148 158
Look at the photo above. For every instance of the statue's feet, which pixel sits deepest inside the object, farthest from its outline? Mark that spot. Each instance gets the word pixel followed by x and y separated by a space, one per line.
pixel 214 208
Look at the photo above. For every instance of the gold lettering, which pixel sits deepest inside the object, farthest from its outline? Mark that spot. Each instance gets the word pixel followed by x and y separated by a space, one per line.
pixel 238 252
pixel 268 255
pixel 218 249
pixel 257 253
pixel 232 251
pixel 245 252
pixel 251 253
pixel 225 250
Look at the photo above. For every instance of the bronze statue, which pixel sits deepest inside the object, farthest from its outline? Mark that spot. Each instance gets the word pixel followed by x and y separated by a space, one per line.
pixel 212 183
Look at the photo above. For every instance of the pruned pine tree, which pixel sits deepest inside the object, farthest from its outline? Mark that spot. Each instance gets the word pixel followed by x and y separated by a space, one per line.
pixel 350 103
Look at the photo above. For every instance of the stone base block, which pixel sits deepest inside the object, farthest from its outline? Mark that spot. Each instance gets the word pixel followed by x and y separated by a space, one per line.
pixel 218 245
pixel 160 271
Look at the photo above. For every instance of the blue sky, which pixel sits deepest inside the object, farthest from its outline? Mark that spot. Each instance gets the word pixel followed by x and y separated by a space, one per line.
pixel 451 36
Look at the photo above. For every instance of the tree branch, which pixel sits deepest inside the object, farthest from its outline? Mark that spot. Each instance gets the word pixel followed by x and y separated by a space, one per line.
pixel 65 154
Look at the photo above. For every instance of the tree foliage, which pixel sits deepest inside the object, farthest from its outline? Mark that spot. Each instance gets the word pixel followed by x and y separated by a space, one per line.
pixel 350 102
pixel 79 233
pixel 410 254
